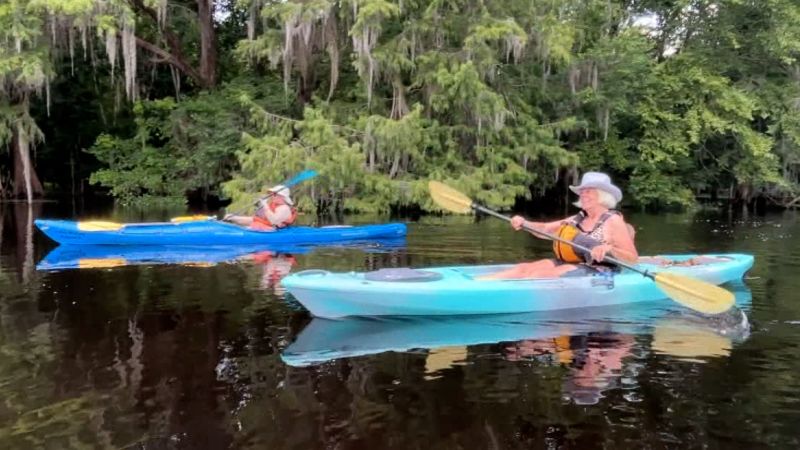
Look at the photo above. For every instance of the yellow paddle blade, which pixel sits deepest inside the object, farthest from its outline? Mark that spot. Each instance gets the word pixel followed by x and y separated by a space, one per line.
pixel 695 294
pixel 193 218
pixel 449 198
pixel 98 225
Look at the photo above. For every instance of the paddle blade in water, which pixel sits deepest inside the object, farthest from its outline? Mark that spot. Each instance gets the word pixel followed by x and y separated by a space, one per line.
pixel 449 198
pixel 695 294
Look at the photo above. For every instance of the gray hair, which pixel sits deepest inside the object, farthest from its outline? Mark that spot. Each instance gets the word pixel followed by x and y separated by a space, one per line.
pixel 604 198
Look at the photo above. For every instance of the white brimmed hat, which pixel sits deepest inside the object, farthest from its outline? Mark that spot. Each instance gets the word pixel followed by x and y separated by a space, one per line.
pixel 597 180
pixel 284 192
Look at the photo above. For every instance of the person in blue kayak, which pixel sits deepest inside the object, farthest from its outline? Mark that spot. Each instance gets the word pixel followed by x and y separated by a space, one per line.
pixel 272 212
pixel 598 226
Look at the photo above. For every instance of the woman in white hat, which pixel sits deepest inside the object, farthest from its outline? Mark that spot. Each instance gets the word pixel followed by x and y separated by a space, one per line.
pixel 598 227
pixel 272 212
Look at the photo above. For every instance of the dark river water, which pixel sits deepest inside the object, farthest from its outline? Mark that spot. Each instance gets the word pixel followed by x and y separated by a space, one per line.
pixel 205 350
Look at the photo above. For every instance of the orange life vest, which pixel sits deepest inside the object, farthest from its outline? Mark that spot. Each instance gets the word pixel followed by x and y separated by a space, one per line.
pixel 572 231
pixel 273 203
pixel 564 252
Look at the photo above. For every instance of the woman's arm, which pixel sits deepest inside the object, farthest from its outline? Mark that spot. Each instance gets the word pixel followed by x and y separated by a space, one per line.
pixel 546 227
pixel 620 242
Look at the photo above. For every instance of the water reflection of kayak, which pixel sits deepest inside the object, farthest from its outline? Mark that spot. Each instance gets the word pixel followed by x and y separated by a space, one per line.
pixel 324 340
pixel 105 256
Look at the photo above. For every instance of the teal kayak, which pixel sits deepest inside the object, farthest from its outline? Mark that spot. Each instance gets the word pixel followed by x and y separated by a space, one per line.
pixel 207 232
pixel 456 291
pixel 325 340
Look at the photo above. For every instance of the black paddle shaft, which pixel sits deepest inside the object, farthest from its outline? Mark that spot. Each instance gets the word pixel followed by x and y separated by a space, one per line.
pixel 610 259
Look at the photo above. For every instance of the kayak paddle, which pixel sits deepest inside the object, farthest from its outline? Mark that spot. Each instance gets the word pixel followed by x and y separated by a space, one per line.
pixel 299 178
pixel 291 182
pixel 696 294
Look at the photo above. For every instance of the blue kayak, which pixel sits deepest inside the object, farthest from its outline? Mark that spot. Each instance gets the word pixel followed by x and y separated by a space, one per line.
pixel 456 291
pixel 325 340
pixel 206 232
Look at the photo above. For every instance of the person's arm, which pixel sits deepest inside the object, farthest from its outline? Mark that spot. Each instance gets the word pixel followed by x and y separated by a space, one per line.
pixel 620 244
pixel 243 221
pixel 517 222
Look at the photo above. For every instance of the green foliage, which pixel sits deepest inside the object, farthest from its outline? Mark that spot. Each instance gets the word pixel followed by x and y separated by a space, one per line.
pixel 139 166
pixel 503 98
pixel 277 155
pixel 178 147
pixel 652 187
pixel 24 65
pixel 450 116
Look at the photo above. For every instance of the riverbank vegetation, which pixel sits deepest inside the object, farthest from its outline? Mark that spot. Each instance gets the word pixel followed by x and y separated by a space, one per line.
pixel 505 100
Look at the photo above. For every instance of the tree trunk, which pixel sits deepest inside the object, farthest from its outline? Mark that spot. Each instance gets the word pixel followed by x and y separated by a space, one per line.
pixel 395 166
pixel 744 195
pixel 2 222
pixel 205 75
pixel 25 179
pixel 305 92
pixel 371 161
pixel 208 42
